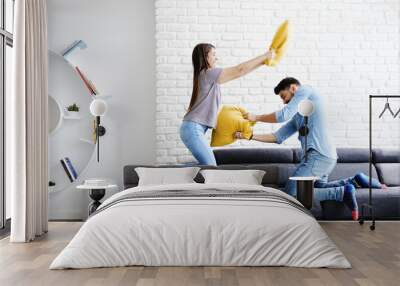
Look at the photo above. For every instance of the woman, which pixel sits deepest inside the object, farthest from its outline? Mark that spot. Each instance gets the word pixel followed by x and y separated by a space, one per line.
pixel 206 98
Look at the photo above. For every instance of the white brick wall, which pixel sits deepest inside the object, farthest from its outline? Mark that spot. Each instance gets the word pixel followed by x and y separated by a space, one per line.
pixel 347 49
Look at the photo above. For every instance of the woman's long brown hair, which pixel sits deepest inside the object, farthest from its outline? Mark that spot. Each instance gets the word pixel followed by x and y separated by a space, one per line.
pixel 199 61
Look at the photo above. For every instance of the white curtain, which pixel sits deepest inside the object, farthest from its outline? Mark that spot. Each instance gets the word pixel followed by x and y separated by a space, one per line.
pixel 27 123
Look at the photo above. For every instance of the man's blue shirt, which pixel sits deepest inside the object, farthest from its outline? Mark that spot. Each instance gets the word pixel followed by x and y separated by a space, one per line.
pixel 318 137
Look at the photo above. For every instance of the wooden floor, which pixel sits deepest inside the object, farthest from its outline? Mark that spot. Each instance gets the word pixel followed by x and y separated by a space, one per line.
pixel 375 257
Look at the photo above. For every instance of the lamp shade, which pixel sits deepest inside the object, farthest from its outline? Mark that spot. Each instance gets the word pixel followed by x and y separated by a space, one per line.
pixel 98 107
pixel 306 107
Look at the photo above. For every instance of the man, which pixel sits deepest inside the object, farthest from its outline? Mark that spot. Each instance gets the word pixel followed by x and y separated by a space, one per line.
pixel 321 151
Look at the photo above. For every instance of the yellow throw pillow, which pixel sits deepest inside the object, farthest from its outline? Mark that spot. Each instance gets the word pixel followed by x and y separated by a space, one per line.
pixel 230 120
pixel 279 44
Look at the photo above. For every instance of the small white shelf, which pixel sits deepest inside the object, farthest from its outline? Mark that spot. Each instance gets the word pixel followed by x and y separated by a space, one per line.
pixel 69 117
pixel 94 187
pixel 88 141
pixel 102 96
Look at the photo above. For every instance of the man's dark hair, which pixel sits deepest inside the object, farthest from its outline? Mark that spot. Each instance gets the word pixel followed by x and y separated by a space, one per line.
pixel 285 83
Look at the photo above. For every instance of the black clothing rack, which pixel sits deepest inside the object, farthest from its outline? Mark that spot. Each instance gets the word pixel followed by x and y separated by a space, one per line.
pixel 370 205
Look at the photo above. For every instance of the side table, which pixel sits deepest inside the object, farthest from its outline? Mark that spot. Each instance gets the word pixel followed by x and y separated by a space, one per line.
pixel 305 190
pixel 96 193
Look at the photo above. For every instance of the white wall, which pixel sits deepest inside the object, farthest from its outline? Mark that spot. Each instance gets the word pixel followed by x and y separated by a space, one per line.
pixel 121 62
pixel 347 49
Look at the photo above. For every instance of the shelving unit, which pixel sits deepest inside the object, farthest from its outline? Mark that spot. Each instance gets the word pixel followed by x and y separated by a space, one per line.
pixel 69 84
pixel 73 127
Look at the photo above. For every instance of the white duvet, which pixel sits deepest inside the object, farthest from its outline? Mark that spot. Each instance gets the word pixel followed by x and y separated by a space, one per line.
pixel 200 231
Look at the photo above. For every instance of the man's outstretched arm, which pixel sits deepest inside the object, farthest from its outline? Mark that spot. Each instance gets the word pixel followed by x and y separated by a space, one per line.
pixel 279 136
pixel 267 138
pixel 268 118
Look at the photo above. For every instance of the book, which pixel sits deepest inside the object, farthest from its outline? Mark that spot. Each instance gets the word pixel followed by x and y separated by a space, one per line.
pixel 85 80
pixel 76 44
pixel 66 170
pixel 71 168
pixel 96 92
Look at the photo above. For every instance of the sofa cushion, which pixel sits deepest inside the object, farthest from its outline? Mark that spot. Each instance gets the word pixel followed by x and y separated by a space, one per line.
pixel 352 155
pixel 253 155
pixel 345 170
pixel 389 173
pixel 389 155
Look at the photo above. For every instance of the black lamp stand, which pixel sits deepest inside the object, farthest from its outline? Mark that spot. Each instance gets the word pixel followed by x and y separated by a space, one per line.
pixel 303 131
pixel 305 188
pixel 100 131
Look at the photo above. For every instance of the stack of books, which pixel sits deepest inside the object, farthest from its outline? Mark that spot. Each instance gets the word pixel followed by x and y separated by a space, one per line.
pixel 69 169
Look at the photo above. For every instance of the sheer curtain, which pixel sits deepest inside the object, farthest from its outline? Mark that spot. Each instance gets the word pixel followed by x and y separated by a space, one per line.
pixel 27 123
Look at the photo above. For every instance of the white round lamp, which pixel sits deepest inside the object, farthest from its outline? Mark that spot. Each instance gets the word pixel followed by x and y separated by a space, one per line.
pixel 98 107
pixel 306 107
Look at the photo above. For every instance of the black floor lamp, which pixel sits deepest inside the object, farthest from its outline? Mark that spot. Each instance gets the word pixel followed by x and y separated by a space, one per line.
pixel 305 184
pixel 305 108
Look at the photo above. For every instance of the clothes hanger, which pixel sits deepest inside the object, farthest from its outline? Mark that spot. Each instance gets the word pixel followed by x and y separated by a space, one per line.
pixel 397 113
pixel 387 107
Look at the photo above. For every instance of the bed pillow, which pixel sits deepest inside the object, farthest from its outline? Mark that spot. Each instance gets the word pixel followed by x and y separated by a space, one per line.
pixel 166 176
pixel 230 120
pixel 248 177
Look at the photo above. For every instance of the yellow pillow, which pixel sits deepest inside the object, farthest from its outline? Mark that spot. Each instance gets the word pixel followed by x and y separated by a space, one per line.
pixel 279 44
pixel 230 120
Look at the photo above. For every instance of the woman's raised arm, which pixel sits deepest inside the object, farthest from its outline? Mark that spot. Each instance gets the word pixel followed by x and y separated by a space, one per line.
pixel 244 68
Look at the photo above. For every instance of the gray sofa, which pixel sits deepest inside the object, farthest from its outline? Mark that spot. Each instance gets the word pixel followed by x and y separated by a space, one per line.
pixel 279 164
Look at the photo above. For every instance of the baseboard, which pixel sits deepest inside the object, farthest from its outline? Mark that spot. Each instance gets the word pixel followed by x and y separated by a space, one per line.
pixel 75 215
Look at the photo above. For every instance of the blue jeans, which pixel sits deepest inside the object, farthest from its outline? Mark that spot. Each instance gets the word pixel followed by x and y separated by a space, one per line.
pixel 193 136
pixel 320 166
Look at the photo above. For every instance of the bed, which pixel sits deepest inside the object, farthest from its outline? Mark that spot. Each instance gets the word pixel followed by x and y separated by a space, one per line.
pixel 196 224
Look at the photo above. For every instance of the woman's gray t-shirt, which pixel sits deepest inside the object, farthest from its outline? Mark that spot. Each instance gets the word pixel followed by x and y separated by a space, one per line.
pixel 205 109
